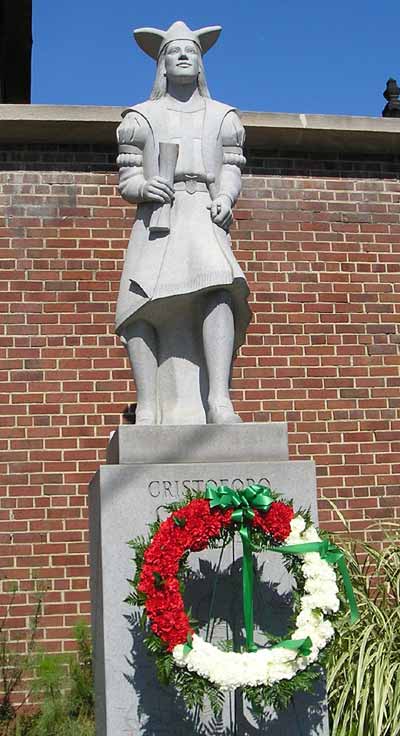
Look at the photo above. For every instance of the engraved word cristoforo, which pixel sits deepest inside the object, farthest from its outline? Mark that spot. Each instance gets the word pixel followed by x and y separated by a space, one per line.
pixel 161 488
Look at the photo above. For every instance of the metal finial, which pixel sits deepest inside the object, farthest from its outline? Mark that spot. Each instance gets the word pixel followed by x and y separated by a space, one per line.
pixel 391 94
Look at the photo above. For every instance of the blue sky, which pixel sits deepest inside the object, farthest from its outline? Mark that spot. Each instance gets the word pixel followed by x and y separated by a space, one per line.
pixel 289 56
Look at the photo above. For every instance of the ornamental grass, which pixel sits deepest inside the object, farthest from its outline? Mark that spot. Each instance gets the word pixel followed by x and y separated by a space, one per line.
pixel 62 685
pixel 363 667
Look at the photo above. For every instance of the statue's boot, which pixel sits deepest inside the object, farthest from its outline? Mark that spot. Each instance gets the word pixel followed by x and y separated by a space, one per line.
pixel 145 417
pixel 222 414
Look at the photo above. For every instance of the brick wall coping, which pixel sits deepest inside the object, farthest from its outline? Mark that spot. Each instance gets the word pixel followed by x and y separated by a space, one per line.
pixel 81 124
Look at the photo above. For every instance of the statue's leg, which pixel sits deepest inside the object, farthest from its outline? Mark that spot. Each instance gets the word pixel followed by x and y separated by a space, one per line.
pixel 141 343
pixel 218 341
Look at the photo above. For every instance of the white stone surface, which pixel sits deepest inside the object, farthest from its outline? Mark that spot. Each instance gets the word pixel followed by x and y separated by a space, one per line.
pixel 246 442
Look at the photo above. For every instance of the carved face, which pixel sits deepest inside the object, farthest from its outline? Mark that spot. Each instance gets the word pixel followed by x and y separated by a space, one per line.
pixel 182 62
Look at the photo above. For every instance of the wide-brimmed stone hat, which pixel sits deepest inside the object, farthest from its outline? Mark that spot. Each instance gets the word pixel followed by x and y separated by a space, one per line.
pixel 153 40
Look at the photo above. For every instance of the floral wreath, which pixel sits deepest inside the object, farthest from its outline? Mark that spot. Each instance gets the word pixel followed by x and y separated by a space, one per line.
pixel 198 668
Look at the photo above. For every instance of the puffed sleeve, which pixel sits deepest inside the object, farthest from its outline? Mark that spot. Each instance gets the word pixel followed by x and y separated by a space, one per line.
pixel 131 135
pixel 232 137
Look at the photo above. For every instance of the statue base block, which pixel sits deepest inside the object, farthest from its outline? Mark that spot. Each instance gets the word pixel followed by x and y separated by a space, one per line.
pixel 124 498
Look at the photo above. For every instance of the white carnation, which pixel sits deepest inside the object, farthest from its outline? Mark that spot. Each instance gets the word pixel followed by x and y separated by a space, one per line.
pixel 311 535
pixel 297 524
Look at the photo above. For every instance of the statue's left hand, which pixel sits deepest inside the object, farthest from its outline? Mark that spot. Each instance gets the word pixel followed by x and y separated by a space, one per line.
pixel 221 211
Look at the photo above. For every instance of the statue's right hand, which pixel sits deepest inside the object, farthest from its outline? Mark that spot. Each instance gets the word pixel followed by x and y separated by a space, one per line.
pixel 158 189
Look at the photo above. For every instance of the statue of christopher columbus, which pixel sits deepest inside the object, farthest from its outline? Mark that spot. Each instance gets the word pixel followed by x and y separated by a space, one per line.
pixel 182 310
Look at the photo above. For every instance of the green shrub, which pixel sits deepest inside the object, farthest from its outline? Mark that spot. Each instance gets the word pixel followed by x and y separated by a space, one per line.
pixel 363 666
pixel 81 696
pixel 17 658
pixel 62 684
pixel 66 689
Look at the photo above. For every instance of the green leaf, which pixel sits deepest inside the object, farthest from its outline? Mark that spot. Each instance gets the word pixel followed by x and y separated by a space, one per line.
pixel 181 522
pixel 158 581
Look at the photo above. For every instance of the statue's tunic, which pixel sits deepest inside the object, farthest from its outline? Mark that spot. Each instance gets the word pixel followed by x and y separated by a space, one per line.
pixel 196 255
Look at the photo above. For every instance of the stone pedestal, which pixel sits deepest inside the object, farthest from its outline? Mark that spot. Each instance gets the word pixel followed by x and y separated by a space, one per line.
pixel 147 468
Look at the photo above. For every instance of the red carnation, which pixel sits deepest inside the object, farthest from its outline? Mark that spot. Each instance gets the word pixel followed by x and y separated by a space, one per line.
pixel 276 521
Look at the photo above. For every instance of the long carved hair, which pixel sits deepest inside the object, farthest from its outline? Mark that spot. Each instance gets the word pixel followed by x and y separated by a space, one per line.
pixel 160 82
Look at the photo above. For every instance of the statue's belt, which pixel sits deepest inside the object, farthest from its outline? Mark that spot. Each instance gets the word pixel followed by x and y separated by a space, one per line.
pixel 191 186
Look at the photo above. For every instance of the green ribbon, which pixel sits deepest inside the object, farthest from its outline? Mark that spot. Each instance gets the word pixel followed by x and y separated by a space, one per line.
pixel 188 645
pixel 243 502
pixel 301 646
pixel 334 556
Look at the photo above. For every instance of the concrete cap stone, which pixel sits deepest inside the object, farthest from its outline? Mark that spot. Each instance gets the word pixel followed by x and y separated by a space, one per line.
pixel 81 124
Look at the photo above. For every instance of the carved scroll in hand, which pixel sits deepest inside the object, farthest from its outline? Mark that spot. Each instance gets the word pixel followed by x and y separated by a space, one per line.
pixel 160 219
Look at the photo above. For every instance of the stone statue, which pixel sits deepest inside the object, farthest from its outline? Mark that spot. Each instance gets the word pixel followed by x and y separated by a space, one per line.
pixel 182 308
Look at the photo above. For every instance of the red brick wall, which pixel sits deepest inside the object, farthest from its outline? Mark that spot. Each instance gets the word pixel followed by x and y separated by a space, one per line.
pixel 319 239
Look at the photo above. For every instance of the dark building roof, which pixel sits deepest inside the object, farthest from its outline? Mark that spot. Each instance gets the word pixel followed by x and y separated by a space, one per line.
pixel 15 51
